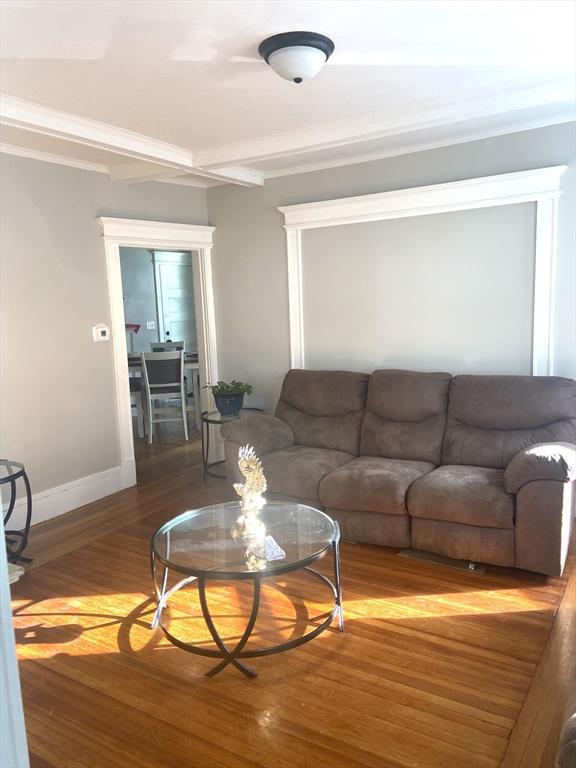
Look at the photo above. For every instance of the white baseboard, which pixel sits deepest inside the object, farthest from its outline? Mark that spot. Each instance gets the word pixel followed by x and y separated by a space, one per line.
pixel 64 498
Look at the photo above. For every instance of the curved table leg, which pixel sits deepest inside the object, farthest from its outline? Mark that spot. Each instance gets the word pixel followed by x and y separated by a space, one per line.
pixel 160 596
pixel 230 655
pixel 14 555
pixel 336 555
pixel 10 509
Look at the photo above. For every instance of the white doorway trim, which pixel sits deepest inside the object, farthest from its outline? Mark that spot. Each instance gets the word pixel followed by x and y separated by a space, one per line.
pixel 160 236
pixel 540 186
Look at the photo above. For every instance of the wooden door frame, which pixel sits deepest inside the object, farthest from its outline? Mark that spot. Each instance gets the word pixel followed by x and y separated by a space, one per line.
pixel 159 236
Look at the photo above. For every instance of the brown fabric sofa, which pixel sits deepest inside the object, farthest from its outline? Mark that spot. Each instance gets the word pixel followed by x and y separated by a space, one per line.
pixel 480 468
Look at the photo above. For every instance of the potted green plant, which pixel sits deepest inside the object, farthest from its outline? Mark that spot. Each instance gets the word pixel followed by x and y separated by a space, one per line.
pixel 229 397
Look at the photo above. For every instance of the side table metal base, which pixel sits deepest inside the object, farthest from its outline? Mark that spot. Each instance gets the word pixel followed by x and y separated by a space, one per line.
pixel 209 470
pixel 17 540
pixel 208 419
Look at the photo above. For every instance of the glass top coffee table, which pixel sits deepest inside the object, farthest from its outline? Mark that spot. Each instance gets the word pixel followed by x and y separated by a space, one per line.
pixel 200 546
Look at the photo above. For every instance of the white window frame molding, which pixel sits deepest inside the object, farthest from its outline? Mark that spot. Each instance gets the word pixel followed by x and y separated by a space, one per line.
pixel 540 186
pixel 160 236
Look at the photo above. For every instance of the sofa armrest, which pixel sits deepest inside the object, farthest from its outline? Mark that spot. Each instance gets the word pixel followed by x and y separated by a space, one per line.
pixel 265 434
pixel 541 461
pixel 543 525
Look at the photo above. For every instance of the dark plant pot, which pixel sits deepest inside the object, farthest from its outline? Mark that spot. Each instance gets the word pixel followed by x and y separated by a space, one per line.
pixel 229 405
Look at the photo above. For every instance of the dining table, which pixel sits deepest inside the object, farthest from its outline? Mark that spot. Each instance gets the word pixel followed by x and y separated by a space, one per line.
pixel 190 364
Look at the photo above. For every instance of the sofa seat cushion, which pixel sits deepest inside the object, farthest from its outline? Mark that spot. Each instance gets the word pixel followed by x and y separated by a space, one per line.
pixel 297 471
pixel 372 484
pixel 461 494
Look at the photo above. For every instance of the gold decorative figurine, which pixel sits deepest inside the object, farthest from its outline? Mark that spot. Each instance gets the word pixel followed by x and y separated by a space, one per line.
pixel 248 528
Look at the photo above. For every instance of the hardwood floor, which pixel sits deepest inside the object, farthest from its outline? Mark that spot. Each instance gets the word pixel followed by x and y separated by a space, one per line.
pixel 436 667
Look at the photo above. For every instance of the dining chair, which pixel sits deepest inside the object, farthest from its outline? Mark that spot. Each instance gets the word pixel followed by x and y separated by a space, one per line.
pixel 136 399
pixel 171 346
pixel 163 374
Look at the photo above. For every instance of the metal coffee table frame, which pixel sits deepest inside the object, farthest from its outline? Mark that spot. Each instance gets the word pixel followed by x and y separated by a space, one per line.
pixel 226 654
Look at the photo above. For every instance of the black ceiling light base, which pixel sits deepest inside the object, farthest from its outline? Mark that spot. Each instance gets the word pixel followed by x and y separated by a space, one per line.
pixel 291 39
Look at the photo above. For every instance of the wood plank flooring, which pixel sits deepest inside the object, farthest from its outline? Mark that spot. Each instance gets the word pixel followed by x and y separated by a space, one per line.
pixel 436 667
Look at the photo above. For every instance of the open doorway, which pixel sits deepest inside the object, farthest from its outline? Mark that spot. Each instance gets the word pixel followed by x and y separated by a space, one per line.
pixel 160 322
pixel 158 294
pixel 170 252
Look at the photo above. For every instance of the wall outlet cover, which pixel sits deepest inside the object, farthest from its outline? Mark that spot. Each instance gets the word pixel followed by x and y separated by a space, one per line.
pixel 101 332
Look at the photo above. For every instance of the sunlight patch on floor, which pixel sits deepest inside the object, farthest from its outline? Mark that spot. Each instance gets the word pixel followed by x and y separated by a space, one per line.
pixel 120 623
pixel 478 602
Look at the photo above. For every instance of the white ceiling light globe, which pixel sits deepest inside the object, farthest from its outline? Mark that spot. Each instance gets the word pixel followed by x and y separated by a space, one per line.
pixel 297 63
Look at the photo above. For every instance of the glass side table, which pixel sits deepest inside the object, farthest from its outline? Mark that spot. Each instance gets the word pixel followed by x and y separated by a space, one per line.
pixel 199 547
pixel 215 418
pixel 16 541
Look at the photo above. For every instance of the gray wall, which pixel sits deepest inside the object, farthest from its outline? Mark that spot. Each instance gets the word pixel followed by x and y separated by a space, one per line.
pixel 139 293
pixel 250 249
pixel 450 292
pixel 57 406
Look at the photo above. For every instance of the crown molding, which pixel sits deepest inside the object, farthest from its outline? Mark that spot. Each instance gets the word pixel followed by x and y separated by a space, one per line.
pixel 457 108
pixel 411 147
pixel 48 157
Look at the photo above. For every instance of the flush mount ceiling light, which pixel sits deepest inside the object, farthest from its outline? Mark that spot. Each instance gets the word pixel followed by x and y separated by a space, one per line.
pixel 296 56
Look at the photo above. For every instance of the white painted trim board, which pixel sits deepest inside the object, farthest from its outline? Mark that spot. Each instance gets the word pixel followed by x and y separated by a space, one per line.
pixel 540 186
pixel 64 498
pixel 162 236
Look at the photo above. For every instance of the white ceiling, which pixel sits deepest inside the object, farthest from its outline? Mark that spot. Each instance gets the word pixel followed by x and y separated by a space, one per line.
pixel 120 84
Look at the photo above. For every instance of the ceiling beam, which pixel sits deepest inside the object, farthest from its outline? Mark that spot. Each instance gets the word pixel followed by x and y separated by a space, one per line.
pixel 136 171
pixel 49 157
pixel 170 160
pixel 237 174
pixel 19 113
pixel 524 102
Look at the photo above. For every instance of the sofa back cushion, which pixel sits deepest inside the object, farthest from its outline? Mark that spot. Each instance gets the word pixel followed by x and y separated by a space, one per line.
pixel 491 418
pixel 405 415
pixel 324 408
